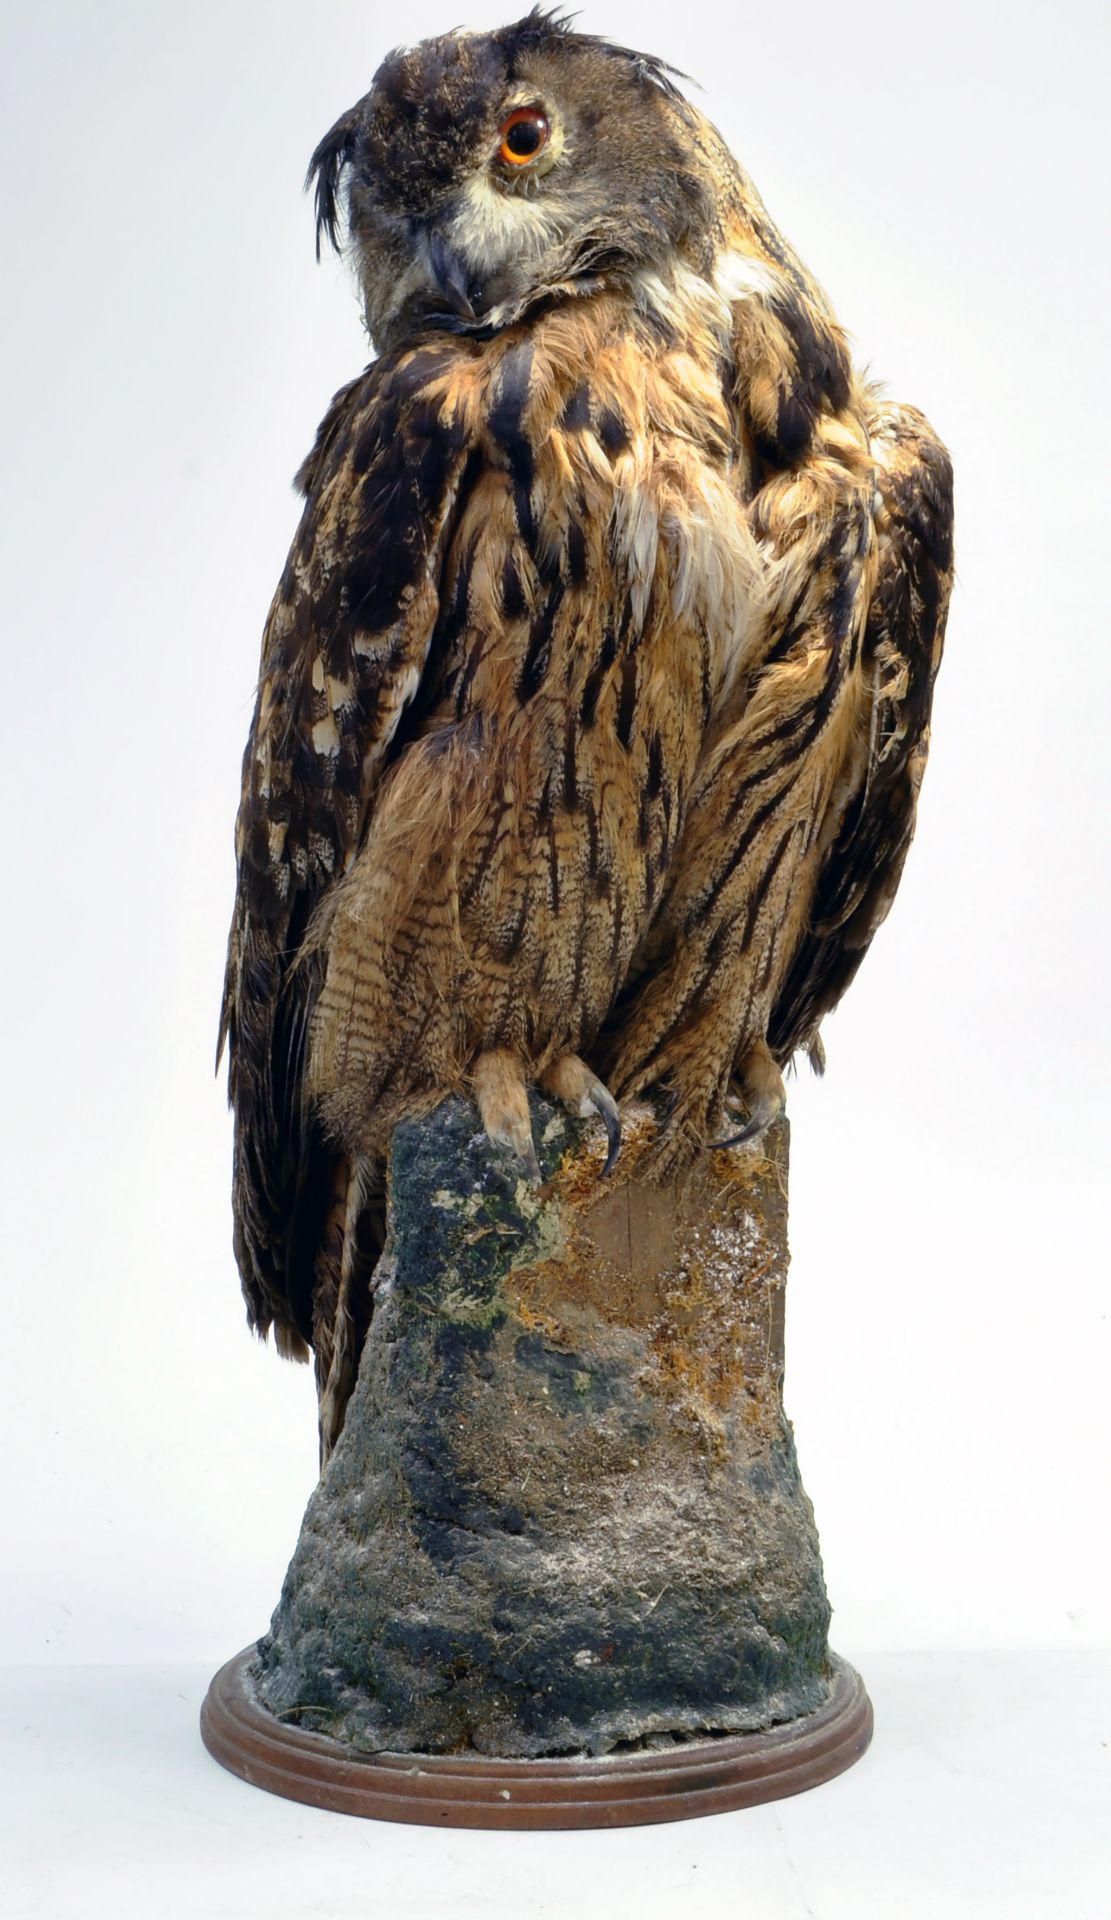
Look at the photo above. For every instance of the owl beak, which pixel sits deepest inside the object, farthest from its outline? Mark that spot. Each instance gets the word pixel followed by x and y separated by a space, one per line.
pixel 450 277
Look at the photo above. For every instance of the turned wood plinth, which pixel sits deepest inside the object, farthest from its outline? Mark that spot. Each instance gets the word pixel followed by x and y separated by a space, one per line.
pixel 560 1569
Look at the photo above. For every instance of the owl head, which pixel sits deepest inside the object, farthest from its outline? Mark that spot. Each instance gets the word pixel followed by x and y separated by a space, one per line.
pixel 487 172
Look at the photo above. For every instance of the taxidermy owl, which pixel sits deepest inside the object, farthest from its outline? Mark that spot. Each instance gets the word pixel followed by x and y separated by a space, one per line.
pixel 594 698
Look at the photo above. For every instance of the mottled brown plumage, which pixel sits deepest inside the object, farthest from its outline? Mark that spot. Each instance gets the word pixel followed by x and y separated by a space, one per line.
pixel 595 695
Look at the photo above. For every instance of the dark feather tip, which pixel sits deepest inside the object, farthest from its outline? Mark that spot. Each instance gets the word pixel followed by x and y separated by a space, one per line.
pixel 325 169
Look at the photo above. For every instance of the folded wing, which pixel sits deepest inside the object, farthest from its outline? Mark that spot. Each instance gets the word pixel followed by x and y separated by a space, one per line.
pixel 902 652
pixel 343 654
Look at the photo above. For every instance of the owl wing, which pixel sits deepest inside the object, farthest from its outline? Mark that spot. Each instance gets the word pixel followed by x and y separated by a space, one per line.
pixel 343 653
pixel 902 651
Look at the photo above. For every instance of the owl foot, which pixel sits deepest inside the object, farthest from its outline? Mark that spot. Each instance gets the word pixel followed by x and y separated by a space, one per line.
pixel 571 1081
pixel 499 1089
pixel 763 1092
pixel 502 1096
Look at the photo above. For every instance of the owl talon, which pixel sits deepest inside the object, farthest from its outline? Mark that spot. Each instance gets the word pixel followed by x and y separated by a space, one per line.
pixel 571 1081
pixel 606 1107
pixel 764 1112
pixel 499 1086
pixel 762 1089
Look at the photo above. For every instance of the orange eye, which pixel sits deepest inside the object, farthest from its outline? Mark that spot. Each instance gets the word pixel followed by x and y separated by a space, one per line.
pixel 523 135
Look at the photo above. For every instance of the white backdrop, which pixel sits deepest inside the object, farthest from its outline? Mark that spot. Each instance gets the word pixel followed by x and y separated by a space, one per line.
pixel 169 348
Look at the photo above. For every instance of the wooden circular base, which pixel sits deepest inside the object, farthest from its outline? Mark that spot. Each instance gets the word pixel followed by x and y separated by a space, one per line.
pixel 471 1790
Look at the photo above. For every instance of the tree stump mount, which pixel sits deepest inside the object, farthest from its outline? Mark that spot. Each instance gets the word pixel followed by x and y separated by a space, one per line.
pixel 560 1569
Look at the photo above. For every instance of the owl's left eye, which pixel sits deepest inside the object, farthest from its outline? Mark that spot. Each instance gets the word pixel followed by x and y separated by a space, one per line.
pixel 523 135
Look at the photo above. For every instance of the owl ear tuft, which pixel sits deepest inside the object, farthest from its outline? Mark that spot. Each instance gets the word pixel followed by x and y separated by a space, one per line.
pixel 326 168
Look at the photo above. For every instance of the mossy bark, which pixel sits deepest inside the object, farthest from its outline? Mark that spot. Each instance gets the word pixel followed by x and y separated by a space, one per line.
pixel 564 1515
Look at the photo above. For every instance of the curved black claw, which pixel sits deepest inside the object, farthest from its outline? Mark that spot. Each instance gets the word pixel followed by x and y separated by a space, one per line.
pixel 571 1081
pixel 608 1111
pixel 764 1112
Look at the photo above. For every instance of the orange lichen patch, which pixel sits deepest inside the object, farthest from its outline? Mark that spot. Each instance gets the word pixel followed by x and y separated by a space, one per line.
pixel 761 1412
pixel 710 1343
pixel 718 1339
pixel 757 1170
pixel 579 1292
pixel 578 1181
pixel 690 1274
pixel 532 1292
